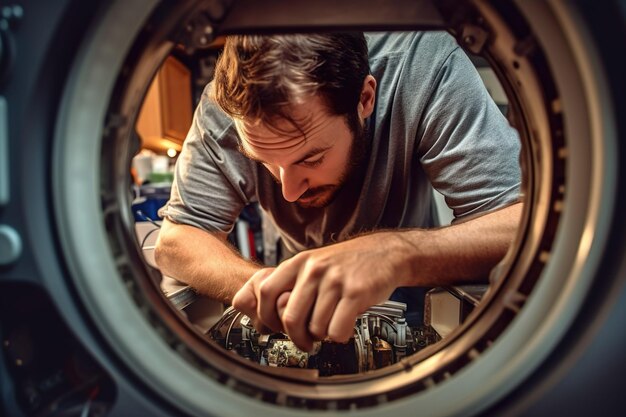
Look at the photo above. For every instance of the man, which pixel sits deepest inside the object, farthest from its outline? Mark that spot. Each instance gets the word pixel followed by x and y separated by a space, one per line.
pixel 340 148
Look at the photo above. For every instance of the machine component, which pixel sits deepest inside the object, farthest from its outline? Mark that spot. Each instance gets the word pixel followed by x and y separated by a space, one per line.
pixel 10 240
pixel 53 374
pixel 9 19
pixel 381 338
pixel 10 245
pixel 4 151
pixel 446 308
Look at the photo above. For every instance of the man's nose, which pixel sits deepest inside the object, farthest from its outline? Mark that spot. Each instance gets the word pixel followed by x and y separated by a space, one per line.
pixel 293 184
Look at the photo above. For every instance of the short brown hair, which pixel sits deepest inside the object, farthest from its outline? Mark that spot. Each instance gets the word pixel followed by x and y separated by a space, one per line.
pixel 258 77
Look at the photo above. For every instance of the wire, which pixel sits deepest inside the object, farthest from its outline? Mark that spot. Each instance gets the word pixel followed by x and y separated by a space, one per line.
pixel 232 323
pixel 145 238
pixel 230 311
pixel 146 218
pixel 59 406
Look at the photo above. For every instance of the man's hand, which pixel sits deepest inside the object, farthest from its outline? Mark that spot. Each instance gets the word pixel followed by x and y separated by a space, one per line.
pixel 245 300
pixel 319 293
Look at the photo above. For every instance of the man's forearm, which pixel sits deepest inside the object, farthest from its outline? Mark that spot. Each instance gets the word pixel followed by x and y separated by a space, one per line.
pixel 464 252
pixel 202 260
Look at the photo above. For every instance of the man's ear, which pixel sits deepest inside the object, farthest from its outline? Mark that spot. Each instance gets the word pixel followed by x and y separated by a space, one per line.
pixel 367 98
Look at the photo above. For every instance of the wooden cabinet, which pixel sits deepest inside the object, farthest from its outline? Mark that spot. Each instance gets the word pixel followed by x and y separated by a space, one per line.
pixel 166 113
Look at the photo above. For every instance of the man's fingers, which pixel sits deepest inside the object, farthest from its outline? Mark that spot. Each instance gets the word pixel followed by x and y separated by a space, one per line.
pixel 260 275
pixel 245 299
pixel 341 326
pixel 268 292
pixel 281 302
pixel 323 310
pixel 296 316
pixel 260 327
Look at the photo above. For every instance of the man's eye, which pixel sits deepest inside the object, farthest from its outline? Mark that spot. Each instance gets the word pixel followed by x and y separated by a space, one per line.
pixel 311 163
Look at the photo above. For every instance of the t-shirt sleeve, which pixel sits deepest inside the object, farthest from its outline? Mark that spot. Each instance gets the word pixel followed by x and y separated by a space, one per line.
pixel 466 146
pixel 213 181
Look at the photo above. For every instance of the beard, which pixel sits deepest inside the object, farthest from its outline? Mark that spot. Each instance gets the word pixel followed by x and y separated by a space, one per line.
pixel 323 196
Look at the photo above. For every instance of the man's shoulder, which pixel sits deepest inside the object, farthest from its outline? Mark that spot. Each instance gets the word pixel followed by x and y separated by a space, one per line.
pixel 434 44
pixel 212 119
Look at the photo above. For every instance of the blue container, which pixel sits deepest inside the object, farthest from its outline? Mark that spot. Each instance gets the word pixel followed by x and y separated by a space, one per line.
pixel 151 198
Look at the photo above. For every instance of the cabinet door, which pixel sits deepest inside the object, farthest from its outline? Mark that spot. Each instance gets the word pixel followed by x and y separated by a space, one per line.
pixel 175 88
pixel 166 112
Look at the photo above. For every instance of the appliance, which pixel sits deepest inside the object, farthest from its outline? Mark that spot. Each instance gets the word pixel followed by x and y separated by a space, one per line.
pixel 85 328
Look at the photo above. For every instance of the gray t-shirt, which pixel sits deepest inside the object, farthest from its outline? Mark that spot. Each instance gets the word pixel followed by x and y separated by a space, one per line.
pixel 434 125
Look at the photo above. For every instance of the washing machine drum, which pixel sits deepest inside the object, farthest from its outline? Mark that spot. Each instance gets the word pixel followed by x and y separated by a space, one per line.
pixel 87 330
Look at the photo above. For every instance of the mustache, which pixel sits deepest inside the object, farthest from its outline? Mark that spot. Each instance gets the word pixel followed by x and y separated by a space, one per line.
pixel 317 191
pixel 311 192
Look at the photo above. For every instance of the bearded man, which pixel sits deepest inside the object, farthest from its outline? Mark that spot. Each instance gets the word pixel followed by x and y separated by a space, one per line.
pixel 340 138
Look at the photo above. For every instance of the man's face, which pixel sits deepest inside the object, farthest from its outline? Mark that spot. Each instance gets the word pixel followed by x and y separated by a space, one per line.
pixel 310 164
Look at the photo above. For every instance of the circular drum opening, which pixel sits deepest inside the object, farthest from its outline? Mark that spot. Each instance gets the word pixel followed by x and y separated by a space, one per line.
pixel 568 161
